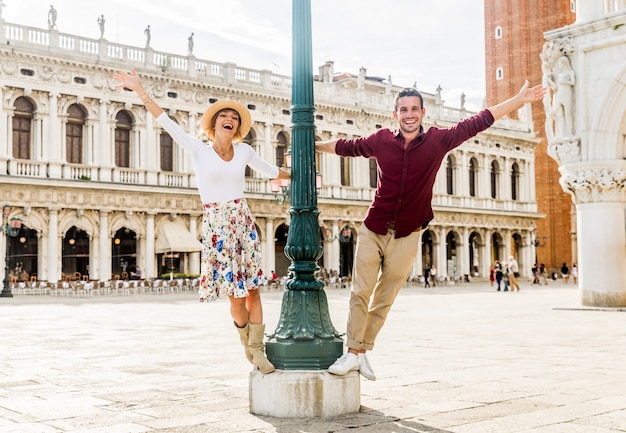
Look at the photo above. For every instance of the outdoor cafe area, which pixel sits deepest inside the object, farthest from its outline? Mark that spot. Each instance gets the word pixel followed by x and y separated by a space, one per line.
pixel 88 288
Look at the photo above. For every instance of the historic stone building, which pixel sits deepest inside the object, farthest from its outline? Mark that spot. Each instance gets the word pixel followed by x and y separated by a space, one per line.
pixel 513 43
pixel 100 188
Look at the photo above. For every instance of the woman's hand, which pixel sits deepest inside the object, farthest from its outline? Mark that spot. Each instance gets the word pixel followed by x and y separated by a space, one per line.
pixel 129 81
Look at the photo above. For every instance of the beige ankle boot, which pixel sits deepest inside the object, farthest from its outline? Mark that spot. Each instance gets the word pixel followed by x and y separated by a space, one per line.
pixel 243 336
pixel 257 348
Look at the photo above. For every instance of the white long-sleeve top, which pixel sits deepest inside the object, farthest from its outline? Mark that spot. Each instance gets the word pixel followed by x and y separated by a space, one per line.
pixel 218 180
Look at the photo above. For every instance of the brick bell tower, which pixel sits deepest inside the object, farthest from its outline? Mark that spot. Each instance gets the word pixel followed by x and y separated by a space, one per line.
pixel 513 42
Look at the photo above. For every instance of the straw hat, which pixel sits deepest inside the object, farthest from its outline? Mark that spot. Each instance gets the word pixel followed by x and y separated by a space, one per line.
pixel 245 119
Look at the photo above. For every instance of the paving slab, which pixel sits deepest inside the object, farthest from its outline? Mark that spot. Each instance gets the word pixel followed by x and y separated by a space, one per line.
pixel 451 359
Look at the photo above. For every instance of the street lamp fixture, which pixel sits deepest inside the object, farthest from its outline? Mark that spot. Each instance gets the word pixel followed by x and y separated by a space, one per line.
pixel 304 338
pixel 537 242
pixel 11 229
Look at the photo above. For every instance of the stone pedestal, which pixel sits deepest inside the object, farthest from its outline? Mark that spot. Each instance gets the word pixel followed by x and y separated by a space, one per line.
pixel 304 394
pixel 601 240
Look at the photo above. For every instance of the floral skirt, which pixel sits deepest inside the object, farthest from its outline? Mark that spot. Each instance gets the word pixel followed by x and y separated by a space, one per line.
pixel 231 252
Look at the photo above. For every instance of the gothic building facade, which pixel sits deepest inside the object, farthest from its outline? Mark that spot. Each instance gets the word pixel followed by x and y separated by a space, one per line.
pixel 100 188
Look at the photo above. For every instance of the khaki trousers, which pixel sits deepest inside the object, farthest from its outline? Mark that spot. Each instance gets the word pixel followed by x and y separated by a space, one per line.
pixel 382 265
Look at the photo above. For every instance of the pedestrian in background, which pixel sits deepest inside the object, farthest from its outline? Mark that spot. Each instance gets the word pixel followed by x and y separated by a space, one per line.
pixel 513 273
pixel 497 267
pixel 565 273
pixel 426 275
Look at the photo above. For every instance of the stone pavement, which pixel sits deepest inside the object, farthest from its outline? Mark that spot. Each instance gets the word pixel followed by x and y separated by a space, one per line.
pixel 454 359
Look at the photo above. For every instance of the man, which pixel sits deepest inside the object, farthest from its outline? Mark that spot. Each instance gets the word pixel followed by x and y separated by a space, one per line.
pixel 136 273
pixel 408 160
pixel 513 271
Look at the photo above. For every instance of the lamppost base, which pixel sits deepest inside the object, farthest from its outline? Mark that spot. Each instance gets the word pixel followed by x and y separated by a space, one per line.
pixel 304 394
pixel 6 294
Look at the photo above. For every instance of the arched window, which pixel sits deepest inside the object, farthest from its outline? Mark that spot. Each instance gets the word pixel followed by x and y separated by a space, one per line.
pixel 515 182
pixel 373 173
pixel 493 175
pixel 498 32
pixel 166 149
pixel 344 165
pixel 499 74
pixel 75 258
pixel 473 176
pixel 122 139
pixel 281 149
pixel 450 175
pixel 74 134
pixel 22 128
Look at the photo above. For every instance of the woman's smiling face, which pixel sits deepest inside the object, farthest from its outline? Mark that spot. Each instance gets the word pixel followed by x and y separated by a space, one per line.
pixel 226 120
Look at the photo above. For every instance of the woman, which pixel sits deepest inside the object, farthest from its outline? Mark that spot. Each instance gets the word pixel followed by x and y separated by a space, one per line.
pixel 231 262
pixel 565 273
pixel 497 267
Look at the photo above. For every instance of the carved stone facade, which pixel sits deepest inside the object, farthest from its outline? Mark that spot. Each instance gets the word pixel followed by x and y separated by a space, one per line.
pixel 588 141
pixel 116 200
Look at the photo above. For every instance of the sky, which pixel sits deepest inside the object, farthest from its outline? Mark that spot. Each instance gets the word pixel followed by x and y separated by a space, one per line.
pixel 429 43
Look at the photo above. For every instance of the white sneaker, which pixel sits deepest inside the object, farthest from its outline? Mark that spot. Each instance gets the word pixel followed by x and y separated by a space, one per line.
pixel 365 368
pixel 347 363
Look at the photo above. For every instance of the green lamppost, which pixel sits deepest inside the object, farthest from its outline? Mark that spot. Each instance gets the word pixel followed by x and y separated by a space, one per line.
pixel 305 338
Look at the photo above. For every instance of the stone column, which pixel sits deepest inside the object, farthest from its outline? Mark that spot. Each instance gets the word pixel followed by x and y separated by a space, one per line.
pixel 104 259
pixel 597 188
pixel 149 148
pixel 53 242
pixel 463 265
pixel 194 258
pixel 442 262
pixel 103 151
pixel 53 145
pixel 5 121
pixel 588 10
pixel 149 268
pixel 486 261
pixel 268 152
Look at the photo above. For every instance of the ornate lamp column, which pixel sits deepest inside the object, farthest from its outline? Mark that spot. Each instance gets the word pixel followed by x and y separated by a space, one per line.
pixel 305 338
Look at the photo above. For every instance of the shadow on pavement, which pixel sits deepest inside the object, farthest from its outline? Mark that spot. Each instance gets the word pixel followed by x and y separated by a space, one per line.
pixel 366 421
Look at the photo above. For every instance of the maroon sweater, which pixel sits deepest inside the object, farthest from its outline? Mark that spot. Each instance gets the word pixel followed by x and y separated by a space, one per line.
pixel 406 177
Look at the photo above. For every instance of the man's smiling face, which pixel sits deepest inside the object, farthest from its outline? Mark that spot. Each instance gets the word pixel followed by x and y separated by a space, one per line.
pixel 409 114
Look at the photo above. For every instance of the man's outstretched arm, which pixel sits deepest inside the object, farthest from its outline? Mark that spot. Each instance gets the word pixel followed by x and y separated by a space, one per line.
pixel 525 95
pixel 325 146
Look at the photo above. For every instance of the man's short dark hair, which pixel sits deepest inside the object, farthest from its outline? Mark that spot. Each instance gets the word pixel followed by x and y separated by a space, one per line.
pixel 409 91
